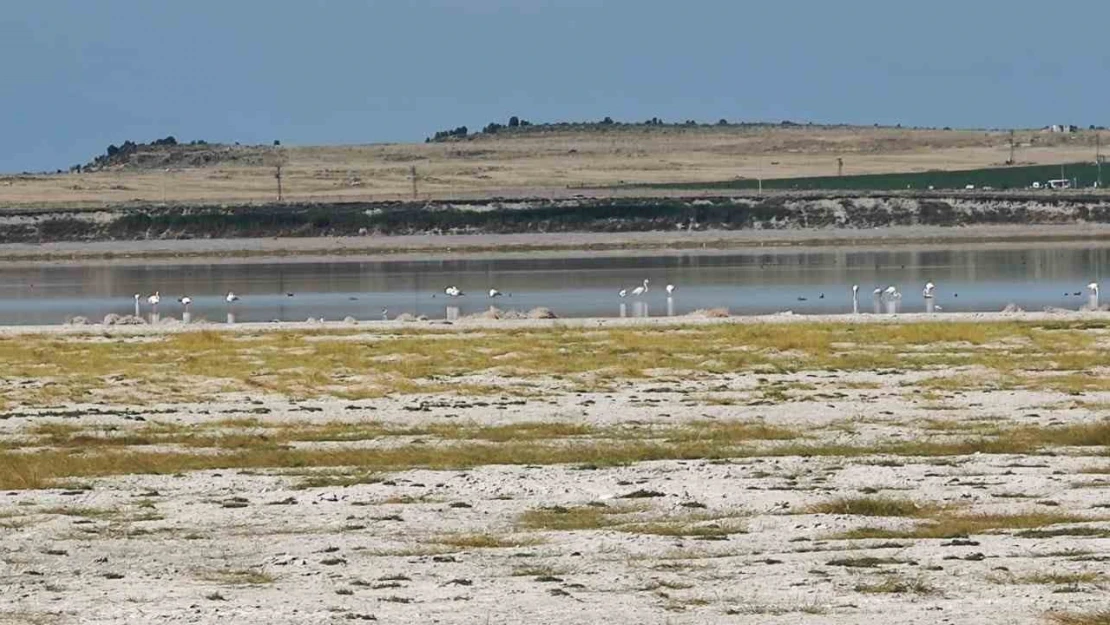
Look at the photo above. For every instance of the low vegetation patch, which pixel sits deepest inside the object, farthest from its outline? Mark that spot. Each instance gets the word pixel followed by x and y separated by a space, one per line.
pixel 949 524
pixel 873 506
pixel 238 577
pixel 346 364
pixel 484 541
pixel 896 584
pixel 1052 578
pixel 1101 617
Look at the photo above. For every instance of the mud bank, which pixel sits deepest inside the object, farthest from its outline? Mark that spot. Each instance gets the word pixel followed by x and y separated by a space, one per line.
pixel 781 213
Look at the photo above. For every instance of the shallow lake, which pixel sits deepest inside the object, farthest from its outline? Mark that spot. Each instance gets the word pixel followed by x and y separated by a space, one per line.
pixel 967 278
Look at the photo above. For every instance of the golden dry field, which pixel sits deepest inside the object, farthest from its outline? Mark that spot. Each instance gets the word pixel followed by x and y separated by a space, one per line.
pixel 543 163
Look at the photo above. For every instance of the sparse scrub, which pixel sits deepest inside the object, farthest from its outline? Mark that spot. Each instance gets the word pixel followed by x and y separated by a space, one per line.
pixel 238 577
pixel 1101 617
pixel 1053 578
pixel 873 506
pixel 409 362
pixel 896 584
pixel 484 541
pixel 954 525
pixel 559 518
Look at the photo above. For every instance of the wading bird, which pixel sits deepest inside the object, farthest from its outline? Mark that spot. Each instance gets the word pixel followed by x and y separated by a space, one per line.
pixel 494 293
pixel 453 291
pixel 231 297
pixel 670 289
pixel 927 292
pixel 185 301
pixel 623 292
pixel 138 313
pixel 153 300
pixel 640 290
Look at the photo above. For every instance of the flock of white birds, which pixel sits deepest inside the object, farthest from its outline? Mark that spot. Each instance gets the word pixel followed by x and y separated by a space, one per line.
pixel 888 294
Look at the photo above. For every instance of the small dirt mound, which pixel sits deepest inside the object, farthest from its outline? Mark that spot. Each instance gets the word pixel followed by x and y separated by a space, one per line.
pixel 492 313
pixel 405 317
pixel 112 319
pixel 350 320
pixel 710 313
pixel 77 321
pixel 1012 308
pixel 541 313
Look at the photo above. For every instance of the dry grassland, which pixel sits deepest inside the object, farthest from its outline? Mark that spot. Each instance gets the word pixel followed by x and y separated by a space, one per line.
pixel 551 164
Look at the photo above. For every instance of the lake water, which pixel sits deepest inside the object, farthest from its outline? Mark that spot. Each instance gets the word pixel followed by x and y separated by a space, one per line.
pixel 968 278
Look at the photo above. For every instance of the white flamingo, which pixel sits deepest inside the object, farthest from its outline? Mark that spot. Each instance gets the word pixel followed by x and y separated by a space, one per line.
pixel 623 292
pixel 670 289
pixel 453 291
pixel 640 290
pixel 185 301
pixel 231 297
pixel 891 292
pixel 138 313
pixel 153 300
pixel 494 293
pixel 1093 288
pixel 855 299
pixel 927 292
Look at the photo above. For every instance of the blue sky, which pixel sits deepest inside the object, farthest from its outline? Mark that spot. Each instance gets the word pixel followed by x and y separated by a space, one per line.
pixel 78 75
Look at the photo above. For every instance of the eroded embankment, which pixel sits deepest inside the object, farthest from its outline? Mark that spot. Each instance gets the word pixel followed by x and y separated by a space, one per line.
pixel 779 213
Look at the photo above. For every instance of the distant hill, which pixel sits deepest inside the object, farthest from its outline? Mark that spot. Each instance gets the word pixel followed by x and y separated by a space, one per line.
pixel 169 153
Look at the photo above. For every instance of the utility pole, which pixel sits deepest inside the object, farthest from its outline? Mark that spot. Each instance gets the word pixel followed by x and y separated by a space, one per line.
pixel 1011 161
pixel 277 175
pixel 414 182
pixel 1098 156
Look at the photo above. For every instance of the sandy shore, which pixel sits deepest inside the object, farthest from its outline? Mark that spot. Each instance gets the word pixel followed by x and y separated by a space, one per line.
pixel 447 246
pixel 741 534
pixel 479 323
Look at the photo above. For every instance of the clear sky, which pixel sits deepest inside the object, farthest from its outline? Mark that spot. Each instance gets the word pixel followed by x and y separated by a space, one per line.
pixel 78 75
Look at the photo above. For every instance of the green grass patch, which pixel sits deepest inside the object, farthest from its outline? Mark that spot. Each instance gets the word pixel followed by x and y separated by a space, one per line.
pixel 1013 177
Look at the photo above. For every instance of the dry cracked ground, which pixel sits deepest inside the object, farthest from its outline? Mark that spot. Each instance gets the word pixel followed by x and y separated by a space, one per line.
pixel 728 473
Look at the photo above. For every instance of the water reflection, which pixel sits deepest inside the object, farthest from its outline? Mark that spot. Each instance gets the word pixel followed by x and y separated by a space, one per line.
pixel 1032 277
